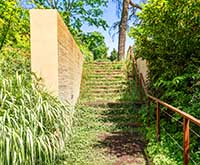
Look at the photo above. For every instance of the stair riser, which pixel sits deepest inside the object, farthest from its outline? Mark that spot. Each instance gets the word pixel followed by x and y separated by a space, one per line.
pixel 107 72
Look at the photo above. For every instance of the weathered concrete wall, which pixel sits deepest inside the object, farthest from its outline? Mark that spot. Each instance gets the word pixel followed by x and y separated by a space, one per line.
pixel 70 64
pixel 142 67
pixel 55 55
pixel 141 64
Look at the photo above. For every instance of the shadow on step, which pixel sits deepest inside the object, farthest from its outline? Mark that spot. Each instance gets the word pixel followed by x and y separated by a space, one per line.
pixel 127 148
pixel 124 142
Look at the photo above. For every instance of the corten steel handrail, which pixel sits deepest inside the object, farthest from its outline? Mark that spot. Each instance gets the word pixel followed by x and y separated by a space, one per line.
pixel 187 118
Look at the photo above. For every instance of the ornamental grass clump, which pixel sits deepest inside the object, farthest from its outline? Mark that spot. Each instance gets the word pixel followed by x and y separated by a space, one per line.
pixel 33 124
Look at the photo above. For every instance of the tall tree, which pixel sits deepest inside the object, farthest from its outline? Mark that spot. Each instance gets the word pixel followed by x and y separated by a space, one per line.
pixel 122 30
pixel 127 5
pixel 96 44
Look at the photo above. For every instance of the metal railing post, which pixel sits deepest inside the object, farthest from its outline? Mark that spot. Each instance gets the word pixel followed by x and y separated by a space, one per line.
pixel 186 140
pixel 133 69
pixel 141 96
pixel 149 111
pixel 137 75
pixel 158 121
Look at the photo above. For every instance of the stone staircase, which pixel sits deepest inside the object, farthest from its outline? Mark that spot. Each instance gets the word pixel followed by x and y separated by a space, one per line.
pixel 106 81
pixel 108 89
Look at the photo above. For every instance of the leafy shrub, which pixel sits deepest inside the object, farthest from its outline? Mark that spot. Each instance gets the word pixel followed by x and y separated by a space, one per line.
pixel 33 124
pixel 14 25
pixel 113 55
pixel 168 38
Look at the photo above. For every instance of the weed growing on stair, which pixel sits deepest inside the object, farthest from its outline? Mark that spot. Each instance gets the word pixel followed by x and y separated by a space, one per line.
pixel 81 145
pixel 87 145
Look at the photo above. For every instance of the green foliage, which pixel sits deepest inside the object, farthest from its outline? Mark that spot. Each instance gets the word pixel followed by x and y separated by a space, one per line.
pixel 168 38
pixel 14 25
pixel 169 150
pixel 113 55
pixel 83 146
pixel 87 54
pixel 76 12
pixel 33 124
pixel 164 152
pixel 11 61
pixel 96 44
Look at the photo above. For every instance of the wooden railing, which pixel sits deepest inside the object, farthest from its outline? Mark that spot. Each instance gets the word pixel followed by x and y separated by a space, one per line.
pixel 187 118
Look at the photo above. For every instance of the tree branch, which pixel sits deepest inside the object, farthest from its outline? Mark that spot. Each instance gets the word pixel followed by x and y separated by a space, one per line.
pixel 135 5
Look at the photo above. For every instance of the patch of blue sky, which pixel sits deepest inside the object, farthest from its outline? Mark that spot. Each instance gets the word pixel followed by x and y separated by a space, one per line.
pixel 26 4
pixel 110 15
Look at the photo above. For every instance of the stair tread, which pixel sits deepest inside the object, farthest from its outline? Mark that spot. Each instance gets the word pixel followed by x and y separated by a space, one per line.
pixel 103 63
pixel 107 87
pixel 105 80
pixel 108 72
pixel 107 77
pixel 130 124
pixel 100 102
pixel 117 116
pixel 105 90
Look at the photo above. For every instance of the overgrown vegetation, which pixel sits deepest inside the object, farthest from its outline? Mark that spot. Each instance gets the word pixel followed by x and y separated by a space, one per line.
pixel 168 38
pixel 95 43
pixel 83 146
pixel 14 26
pixel 169 150
pixel 113 55
pixel 34 125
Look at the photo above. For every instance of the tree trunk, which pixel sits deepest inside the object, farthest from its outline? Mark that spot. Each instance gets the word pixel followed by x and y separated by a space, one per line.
pixel 122 30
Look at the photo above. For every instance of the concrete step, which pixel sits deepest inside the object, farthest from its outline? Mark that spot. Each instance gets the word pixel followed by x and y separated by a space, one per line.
pixel 114 66
pixel 116 120
pixel 94 99
pixel 109 83
pixel 123 124
pixel 121 117
pixel 93 89
pixel 103 63
pixel 118 109
pixel 103 91
pixel 104 69
pixel 107 79
pixel 103 95
pixel 111 72
pixel 110 76
pixel 105 82
pixel 107 87
pixel 112 104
